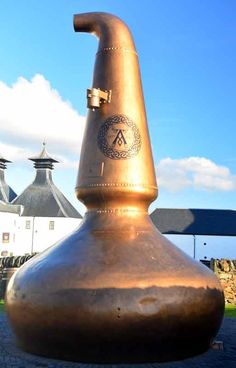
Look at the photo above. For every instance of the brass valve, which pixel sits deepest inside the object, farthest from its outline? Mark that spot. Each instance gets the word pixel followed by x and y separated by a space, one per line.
pixel 96 96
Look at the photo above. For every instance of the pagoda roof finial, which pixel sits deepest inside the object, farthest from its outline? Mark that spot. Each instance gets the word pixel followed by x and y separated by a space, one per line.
pixel 7 194
pixel 43 160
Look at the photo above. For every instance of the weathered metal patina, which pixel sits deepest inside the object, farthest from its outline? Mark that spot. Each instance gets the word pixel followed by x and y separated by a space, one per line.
pixel 115 290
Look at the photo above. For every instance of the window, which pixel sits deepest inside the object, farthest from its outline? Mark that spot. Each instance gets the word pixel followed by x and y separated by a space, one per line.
pixel 27 224
pixel 5 237
pixel 4 253
pixel 51 225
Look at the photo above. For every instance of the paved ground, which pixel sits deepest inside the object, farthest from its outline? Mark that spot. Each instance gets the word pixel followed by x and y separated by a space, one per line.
pixel 12 357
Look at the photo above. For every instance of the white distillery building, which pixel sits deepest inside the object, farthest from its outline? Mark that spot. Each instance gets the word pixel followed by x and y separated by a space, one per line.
pixel 201 233
pixel 9 215
pixel 39 216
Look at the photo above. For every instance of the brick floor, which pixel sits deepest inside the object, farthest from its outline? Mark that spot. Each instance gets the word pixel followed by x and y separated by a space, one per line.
pixel 12 357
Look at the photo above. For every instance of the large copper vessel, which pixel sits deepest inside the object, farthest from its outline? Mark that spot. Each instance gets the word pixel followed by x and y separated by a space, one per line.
pixel 116 290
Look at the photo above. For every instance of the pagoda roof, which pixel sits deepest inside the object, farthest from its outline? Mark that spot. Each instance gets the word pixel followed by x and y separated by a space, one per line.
pixel 42 198
pixel 3 162
pixel 7 194
pixel 43 159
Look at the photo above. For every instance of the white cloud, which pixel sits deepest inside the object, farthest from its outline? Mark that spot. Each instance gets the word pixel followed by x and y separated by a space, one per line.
pixel 31 111
pixel 20 154
pixel 14 153
pixel 66 163
pixel 194 172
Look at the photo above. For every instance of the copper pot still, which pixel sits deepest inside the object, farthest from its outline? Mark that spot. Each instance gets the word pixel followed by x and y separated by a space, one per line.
pixel 116 290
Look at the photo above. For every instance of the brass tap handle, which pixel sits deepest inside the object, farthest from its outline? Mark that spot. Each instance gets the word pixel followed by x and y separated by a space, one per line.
pixel 96 96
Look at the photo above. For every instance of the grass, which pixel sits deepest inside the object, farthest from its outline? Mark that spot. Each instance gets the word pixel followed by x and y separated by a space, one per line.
pixel 230 310
pixel 1 305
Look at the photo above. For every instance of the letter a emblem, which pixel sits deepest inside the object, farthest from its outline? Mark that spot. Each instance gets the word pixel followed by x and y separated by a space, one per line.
pixel 119 139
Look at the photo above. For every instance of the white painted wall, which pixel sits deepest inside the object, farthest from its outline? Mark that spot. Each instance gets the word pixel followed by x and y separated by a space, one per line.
pixel 45 237
pixel 23 238
pixel 8 225
pixel 206 246
pixel 215 247
pixel 39 236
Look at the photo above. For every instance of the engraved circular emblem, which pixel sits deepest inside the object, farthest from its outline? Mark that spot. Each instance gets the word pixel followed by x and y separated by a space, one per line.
pixel 119 138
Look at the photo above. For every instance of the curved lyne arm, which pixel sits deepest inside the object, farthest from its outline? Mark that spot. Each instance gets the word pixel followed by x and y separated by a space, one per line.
pixel 111 30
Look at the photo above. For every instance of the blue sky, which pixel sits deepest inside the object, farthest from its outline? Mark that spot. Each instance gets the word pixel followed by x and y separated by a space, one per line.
pixel 187 52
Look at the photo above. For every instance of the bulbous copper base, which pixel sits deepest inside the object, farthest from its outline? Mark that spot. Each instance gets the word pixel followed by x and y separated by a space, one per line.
pixel 115 291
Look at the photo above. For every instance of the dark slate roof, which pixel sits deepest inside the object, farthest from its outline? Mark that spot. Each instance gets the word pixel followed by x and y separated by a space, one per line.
pixel 195 221
pixel 7 194
pixel 10 208
pixel 3 162
pixel 42 198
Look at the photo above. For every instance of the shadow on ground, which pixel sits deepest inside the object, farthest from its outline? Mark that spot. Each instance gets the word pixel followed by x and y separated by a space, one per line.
pixel 12 357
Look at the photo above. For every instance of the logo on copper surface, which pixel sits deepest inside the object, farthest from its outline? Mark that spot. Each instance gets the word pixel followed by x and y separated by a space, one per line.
pixel 119 138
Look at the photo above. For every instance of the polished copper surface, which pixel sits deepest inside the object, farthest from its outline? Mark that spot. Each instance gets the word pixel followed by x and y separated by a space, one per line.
pixel 115 290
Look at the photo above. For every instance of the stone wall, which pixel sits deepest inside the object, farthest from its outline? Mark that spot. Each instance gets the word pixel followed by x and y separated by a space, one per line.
pixel 8 265
pixel 225 269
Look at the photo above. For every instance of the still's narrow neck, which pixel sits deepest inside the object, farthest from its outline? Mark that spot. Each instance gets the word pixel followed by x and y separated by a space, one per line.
pixel 116 169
